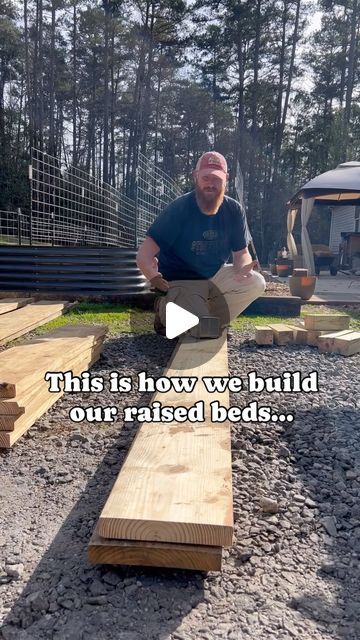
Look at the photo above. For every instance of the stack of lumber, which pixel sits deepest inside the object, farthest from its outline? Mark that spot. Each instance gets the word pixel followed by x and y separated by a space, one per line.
pixel 10 304
pixel 21 321
pixel 329 332
pixel 24 394
pixel 171 505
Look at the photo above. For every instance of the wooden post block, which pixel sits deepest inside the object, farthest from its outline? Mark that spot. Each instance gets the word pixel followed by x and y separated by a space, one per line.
pixel 327 322
pixel 283 334
pixel 326 342
pixel 349 344
pixel 300 334
pixel 154 554
pixel 264 335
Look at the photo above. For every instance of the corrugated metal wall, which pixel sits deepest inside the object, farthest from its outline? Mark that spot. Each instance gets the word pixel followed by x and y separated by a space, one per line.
pixel 89 270
pixel 342 219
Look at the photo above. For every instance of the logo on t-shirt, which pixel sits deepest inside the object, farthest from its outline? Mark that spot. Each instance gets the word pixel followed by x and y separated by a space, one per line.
pixel 210 234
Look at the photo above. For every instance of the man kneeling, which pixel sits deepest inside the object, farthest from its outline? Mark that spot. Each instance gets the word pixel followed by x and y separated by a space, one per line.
pixel 186 249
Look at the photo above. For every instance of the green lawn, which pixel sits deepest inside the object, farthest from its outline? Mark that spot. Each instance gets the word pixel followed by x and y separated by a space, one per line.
pixel 123 318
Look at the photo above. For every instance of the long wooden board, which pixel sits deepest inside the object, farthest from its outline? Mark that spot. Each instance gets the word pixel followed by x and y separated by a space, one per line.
pixel 50 353
pixel 42 403
pixel 10 304
pixel 154 554
pixel 23 320
pixel 175 484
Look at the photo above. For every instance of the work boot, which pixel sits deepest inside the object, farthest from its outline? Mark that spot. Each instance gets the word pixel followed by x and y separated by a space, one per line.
pixel 159 328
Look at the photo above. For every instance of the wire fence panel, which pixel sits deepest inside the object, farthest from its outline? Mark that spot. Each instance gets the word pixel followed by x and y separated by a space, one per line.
pixel 72 208
pixel 155 189
pixel 14 227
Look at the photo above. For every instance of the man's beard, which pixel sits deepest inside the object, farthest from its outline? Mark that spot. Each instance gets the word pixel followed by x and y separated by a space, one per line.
pixel 209 200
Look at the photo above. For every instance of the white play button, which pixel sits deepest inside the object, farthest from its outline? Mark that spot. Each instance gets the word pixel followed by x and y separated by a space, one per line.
pixel 178 320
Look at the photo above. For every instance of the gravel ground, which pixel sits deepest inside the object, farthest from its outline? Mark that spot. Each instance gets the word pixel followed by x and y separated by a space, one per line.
pixel 293 571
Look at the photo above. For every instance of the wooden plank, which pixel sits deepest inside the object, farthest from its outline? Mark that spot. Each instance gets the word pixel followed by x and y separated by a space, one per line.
pixel 264 335
pixel 49 351
pixel 327 322
pixel 345 342
pixel 154 554
pixel 26 390
pixel 40 405
pixel 10 304
pixel 175 484
pixel 34 315
pixel 9 423
pixel 283 334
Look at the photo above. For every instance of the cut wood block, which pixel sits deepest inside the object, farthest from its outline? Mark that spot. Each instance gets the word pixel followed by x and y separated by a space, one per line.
pixel 50 352
pixel 327 340
pixel 10 304
pixel 346 343
pixel 327 322
pixel 283 334
pixel 299 334
pixel 264 335
pixel 313 337
pixel 10 408
pixel 175 484
pixel 34 315
pixel 154 554
pixel 39 406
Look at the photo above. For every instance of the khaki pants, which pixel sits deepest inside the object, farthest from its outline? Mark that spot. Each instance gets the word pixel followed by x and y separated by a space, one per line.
pixel 222 296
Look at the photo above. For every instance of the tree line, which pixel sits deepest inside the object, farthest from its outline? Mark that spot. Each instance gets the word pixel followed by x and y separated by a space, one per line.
pixel 96 82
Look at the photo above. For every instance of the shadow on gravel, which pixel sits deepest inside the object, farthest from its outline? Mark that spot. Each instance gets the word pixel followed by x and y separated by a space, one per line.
pixel 68 599
pixel 325 444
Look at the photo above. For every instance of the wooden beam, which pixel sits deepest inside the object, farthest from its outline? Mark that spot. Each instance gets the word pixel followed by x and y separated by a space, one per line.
pixel 23 320
pixel 10 304
pixel 327 322
pixel 175 484
pixel 300 335
pixel 154 554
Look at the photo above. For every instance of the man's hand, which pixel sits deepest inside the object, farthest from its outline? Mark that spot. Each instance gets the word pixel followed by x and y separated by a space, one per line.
pixel 158 282
pixel 244 272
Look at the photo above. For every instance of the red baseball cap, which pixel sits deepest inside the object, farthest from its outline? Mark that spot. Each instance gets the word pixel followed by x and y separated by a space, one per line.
pixel 212 162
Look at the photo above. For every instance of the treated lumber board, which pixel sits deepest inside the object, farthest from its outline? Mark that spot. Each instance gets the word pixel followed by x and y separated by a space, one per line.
pixel 345 343
pixel 10 304
pixel 27 318
pixel 8 438
pixel 41 391
pixel 327 322
pixel 264 335
pixel 30 385
pixel 313 337
pixel 283 334
pixel 175 484
pixel 50 352
pixel 154 554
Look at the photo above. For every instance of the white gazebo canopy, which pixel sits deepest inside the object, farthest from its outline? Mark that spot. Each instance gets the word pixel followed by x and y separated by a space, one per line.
pixel 339 186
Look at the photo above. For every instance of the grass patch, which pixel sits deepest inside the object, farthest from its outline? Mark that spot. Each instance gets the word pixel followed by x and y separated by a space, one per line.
pixel 122 318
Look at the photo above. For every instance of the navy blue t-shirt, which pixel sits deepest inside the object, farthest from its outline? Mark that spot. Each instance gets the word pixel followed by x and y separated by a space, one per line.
pixel 194 245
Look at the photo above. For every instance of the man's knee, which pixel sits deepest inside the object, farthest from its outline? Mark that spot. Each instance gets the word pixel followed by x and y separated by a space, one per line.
pixel 258 281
